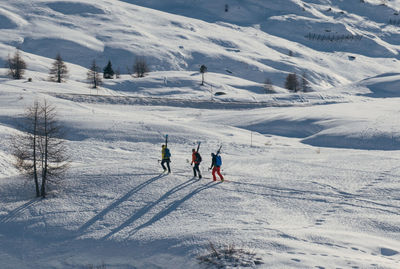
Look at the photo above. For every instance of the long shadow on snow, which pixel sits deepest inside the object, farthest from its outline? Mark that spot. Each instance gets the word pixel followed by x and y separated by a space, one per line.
pixel 173 206
pixel 14 213
pixel 116 203
pixel 168 209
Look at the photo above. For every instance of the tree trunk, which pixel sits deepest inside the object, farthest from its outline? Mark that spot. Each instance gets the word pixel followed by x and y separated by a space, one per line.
pixel 95 80
pixel 59 75
pixel 35 134
pixel 45 150
pixel 44 174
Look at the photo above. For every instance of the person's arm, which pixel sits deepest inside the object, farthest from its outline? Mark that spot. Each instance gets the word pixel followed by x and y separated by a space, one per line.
pixel 212 163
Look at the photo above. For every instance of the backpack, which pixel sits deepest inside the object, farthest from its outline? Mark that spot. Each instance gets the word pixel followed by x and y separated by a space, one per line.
pixel 218 160
pixel 167 154
pixel 198 157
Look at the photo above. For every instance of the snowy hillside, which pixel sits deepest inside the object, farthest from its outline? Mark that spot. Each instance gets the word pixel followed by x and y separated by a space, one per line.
pixel 252 40
pixel 312 179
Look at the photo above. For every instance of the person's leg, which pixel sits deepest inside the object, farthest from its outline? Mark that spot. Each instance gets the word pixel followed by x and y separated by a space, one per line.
pixel 194 170
pixel 219 173
pixel 163 166
pixel 169 168
pixel 213 173
pixel 197 168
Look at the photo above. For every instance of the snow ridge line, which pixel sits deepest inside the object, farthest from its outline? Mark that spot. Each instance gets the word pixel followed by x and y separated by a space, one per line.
pixel 191 103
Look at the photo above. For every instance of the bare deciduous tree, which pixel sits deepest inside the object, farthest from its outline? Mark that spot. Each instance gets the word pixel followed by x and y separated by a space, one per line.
pixel 93 75
pixel 268 86
pixel 16 66
pixel 58 71
pixel 305 84
pixel 118 73
pixel 140 68
pixel 24 145
pixel 40 151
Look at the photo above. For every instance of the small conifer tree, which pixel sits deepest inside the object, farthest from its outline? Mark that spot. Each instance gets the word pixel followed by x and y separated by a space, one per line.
pixel 292 83
pixel 108 72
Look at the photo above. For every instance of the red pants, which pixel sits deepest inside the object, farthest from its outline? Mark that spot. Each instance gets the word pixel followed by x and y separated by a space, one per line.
pixel 218 170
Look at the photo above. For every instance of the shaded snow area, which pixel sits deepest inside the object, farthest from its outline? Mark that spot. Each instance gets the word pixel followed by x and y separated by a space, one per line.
pixel 311 178
pixel 286 201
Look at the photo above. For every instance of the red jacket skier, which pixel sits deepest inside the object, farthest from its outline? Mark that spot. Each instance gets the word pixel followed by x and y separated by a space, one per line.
pixel 196 160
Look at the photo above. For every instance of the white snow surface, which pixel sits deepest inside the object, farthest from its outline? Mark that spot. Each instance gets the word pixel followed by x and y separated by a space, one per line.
pixel 312 179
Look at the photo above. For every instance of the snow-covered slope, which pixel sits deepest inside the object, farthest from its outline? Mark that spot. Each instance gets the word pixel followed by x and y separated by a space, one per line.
pixel 291 204
pixel 252 40
pixel 311 178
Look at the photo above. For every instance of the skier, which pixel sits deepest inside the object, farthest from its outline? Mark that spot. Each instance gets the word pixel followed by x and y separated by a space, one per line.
pixel 216 166
pixel 196 159
pixel 165 158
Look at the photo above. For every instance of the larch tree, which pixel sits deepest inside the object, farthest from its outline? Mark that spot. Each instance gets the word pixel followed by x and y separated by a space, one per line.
pixel 140 67
pixel 58 71
pixel 93 75
pixel 16 66
pixel 268 86
pixel 305 84
pixel 25 145
pixel 40 150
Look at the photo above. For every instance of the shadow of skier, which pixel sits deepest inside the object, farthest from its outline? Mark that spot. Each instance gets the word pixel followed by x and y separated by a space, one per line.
pixel 116 203
pixel 173 206
pixel 12 215
pixel 148 207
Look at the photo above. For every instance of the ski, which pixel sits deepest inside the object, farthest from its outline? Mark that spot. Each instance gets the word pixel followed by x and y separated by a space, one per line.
pixel 219 150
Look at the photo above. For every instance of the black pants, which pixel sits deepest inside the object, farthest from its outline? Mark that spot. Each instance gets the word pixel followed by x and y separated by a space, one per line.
pixel 163 166
pixel 196 168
